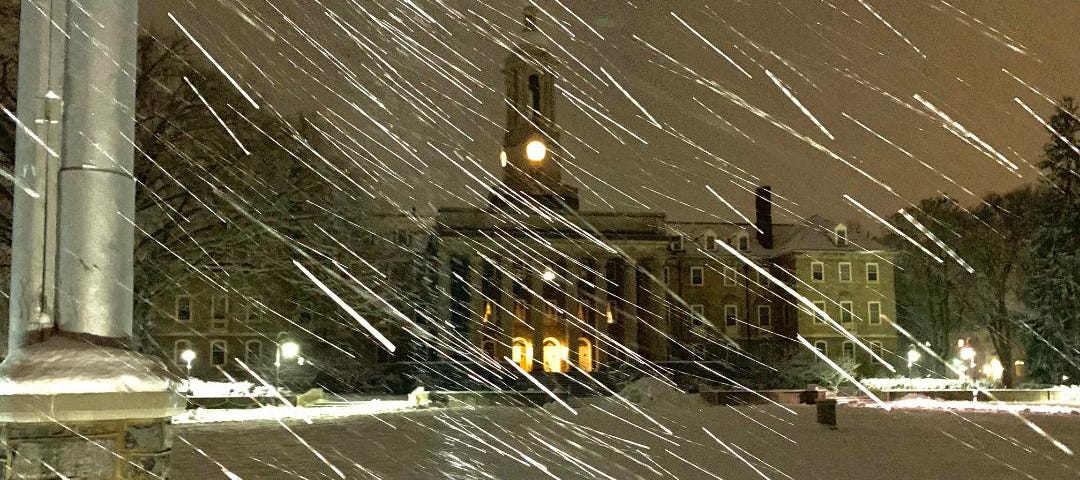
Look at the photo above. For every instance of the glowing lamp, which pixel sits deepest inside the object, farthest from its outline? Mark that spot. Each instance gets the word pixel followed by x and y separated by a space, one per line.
pixel 188 355
pixel 535 151
pixel 967 353
pixel 502 158
pixel 290 350
pixel 549 275
pixel 913 356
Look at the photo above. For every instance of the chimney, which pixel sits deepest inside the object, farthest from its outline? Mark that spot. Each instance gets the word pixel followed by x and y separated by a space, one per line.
pixel 763 209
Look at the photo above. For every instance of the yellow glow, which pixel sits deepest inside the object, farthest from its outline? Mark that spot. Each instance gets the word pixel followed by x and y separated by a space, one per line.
pixel 554 354
pixel 502 158
pixel 487 311
pixel 289 350
pixel 610 317
pixel 993 369
pixel 585 354
pixel 536 150
pixel 521 353
pixel 187 355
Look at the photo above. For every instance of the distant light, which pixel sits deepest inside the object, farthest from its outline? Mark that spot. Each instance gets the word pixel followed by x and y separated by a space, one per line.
pixel 502 158
pixel 188 355
pixel 610 316
pixel 290 350
pixel 536 150
pixel 967 353
pixel 549 275
pixel 913 356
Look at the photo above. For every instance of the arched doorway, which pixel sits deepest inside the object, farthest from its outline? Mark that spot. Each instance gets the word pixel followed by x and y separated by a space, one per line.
pixel 554 355
pixel 584 354
pixel 521 353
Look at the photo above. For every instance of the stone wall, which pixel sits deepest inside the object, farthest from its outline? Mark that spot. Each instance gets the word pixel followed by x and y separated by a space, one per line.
pixel 111 449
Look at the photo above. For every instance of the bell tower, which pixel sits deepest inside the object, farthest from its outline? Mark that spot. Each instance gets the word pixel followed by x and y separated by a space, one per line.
pixel 531 155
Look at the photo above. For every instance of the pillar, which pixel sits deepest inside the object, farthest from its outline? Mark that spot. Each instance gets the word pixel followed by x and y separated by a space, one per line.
pixel 573 303
pixel 476 302
pixel 535 315
pixel 67 394
pixel 630 318
pixel 506 313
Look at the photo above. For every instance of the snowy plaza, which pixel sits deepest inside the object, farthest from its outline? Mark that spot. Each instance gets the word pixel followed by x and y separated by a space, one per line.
pixel 610 441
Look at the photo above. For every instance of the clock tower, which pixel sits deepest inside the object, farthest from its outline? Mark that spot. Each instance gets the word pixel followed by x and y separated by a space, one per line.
pixel 531 154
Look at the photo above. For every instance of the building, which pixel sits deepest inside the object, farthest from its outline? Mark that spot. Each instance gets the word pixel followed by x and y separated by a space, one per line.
pixel 532 278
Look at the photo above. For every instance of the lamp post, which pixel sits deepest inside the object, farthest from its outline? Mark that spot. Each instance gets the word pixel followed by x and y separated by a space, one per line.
pixel 188 356
pixel 913 357
pixel 287 349
pixel 967 354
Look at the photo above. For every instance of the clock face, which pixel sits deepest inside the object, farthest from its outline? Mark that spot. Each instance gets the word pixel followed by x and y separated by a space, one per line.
pixel 536 151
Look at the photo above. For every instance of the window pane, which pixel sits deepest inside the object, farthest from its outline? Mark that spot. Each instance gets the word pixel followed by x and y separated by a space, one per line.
pixel 183 308
pixel 817 270
pixel 817 316
pixel 764 315
pixel 871 272
pixel 731 315
pixel 874 313
pixel 845 272
pixel 217 352
pixel 845 312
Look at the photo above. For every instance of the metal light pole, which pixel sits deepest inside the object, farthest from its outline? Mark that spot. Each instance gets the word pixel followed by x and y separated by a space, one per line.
pixel 72 248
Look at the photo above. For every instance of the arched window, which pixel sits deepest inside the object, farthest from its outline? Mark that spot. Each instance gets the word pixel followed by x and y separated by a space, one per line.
pixel 521 353
pixel 554 354
pixel 841 235
pixel 488 346
pixel 584 354
pixel 219 352
pixel 253 352
pixel 708 240
pixel 178 349
pixel 534 92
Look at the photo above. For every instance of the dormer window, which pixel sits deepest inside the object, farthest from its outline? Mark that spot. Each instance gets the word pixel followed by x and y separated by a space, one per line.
pixel 709 239
pixel 742 242
pixel 841 235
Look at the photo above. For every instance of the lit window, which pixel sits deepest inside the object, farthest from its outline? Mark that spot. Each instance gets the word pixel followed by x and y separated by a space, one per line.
pixel 731 315
pixel 872 272
pixel 502 158
pixel 697 313
pixel 817 271
pixel 822 346
pixel 253 352
pixel 873 313
pixel 219 312
pixel 845 271
pixel 183 308
pixel 487 311
pixel 178 349
pixel 764 315
pixel 697 276
pixel 846 313
pixel 848 349
pixel 817 316
pixel 218 352
pixel 841 236
pixel 730 277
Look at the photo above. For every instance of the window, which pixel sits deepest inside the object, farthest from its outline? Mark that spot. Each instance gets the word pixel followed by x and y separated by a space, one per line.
pixel 743 242
pixel 254 309
pixel 178 350
pixel 873 313
pixel 817 271
pixel 730 277
pixel 845 271
pixel 697 313
pixel 822 346
pixel 731 315
pixel 487 312
pixel 841 236
pixel 676 244
pixel 697 276
pixel 817 316
pixel 710 242
pixel 878 349
pixel 253 352
pixel 667 275
pixel 488 346
pixel 846 313
pixel 218 352
pixel 219 312
pixel 183 308
pixel 764 315
pixel 848 350
pixel 871 273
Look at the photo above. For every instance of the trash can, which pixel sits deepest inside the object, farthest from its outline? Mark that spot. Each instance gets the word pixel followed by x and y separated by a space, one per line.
pixel 826 412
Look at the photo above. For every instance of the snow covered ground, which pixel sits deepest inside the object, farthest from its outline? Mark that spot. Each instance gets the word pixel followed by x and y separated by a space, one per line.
pixel 663 436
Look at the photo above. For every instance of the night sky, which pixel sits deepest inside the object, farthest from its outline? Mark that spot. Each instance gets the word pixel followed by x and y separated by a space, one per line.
pixel 887 65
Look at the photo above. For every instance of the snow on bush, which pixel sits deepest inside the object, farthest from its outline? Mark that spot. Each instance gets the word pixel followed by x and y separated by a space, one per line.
pixel 650 391
pixel 916 384
pixel 202 389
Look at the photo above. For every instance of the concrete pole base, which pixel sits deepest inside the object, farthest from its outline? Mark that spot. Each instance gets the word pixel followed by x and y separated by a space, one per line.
pixel 91 450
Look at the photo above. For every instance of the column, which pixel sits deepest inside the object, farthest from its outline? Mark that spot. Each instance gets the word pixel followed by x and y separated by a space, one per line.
pixel 476 301
pixel 630 318
pixel 505 314
pixel 657 327
pixel 535 315
pixel 442 302
pixel 574 328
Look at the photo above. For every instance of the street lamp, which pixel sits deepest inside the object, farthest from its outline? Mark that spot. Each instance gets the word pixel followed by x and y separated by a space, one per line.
pixel 188 356
pixel 967 354
pixel 913 357
pixel 287 349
